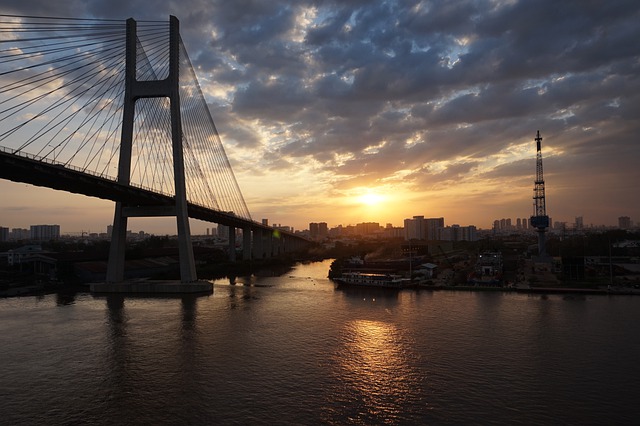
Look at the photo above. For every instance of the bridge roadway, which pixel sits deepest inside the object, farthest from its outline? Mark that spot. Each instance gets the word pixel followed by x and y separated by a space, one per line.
pixel 34 171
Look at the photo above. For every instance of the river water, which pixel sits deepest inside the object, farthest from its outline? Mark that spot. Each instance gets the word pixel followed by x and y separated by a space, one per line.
pixel 296 350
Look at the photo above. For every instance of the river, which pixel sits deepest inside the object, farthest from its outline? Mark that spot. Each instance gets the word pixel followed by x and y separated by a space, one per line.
pixel 296 350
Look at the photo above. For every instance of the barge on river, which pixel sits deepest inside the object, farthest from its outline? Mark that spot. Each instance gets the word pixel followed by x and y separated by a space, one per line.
pixel 373 280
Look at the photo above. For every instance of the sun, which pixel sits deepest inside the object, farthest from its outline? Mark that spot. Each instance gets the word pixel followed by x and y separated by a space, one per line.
pixel 371 199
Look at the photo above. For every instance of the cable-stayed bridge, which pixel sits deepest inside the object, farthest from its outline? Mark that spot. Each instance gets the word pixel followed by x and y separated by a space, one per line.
pixel 113 109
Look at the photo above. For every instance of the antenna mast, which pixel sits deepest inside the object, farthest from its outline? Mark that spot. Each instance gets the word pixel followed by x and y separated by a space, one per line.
pixel 539 220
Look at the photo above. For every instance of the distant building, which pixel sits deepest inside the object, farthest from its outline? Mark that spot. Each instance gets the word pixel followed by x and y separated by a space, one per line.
pixel 393 232
pixel 415 229
pixel 624 222
pixel 579 224
pixel 17 256
pixel 458 233
pixel 433 224
pixel 18 234
pixel 281 227
pixel 4 234
pixel 323 230
pixel 318 231
pixel 336 232
pixel 420 228
pixel 367 228
pixel 44 232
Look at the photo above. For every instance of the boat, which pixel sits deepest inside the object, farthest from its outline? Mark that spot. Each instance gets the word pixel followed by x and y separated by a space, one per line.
pixel 373 280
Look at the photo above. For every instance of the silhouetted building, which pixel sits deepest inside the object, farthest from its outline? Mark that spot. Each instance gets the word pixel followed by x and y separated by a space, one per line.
pixel 433 224
pixel 415 229
pixel 318 231
pixel 4 234
pixel 18 234
pixel 391 231
pixel 420 228
pixel 624 222
pixel 458 233
pixel 367 228
pixel 44 232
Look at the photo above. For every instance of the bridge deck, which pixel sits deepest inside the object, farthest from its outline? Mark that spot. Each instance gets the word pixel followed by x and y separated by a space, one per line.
pixel 35 172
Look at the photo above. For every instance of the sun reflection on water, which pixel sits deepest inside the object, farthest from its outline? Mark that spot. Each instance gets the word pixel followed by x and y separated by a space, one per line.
pixel 375 369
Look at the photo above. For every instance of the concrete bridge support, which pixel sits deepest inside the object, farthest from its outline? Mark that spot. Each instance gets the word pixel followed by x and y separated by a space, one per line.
pixel 134 90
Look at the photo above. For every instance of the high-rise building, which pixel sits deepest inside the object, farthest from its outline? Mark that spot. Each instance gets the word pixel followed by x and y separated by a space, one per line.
pixel 579 224
pixel 624 222
pixel 18 234
pixel 458 233
pixel 313 230
pixel 4 234
pixel 420 228
pixel 323 230
pixel 318 231
pixel 367 228
pixel 415 229
pixel 44 232
pixel 433 224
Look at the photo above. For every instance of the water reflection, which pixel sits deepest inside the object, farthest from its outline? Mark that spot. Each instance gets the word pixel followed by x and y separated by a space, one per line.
pixel 148 364
pixel 369 293
pixel 374 365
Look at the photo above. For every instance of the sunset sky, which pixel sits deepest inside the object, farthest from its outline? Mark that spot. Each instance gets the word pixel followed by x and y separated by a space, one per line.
pixel 356 111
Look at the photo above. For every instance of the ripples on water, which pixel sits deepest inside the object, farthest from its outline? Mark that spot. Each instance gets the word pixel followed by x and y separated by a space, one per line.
pixel 295 350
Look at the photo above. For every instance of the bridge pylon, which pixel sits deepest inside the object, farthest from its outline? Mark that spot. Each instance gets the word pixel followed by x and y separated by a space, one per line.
pixel 134 90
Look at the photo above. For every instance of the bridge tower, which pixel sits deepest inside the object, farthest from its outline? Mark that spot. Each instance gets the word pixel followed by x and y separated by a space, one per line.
pixel 134 90
pixel 539 220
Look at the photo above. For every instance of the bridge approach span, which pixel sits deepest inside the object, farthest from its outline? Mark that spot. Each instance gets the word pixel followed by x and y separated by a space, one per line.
pixel 34 171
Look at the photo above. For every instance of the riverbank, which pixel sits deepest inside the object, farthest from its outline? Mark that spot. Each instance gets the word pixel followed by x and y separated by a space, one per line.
pixel 623 291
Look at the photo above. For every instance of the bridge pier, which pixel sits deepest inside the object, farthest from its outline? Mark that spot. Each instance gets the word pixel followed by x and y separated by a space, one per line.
pixel 117 248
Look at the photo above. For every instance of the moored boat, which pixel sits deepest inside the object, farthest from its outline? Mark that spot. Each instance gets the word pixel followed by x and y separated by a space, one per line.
pixel 373 280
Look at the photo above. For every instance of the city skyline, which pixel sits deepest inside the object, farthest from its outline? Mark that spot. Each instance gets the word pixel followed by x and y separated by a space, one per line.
pixel 337 113
pixel 200 228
